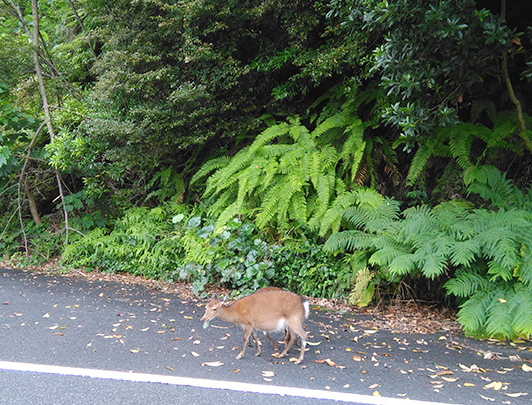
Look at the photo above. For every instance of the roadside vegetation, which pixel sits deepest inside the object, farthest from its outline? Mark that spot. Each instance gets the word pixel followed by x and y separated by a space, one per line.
pixel 373 151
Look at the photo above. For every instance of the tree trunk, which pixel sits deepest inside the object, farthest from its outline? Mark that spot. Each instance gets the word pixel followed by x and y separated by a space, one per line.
pixel 31 200
pixel 46 107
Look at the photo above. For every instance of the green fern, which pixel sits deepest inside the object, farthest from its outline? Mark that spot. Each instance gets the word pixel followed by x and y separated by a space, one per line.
pixel 520 305
pixel 490 251
pixel 456 144
pixel 287 174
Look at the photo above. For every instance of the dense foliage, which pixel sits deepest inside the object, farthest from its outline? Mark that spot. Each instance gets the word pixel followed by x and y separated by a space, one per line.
pixel 225 142
pixel 484 252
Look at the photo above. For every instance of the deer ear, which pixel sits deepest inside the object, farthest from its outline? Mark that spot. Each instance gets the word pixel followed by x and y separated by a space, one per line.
pixel 225 297
pixel 214 296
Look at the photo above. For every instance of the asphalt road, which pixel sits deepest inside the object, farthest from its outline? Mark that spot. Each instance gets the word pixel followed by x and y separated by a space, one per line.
pixel 79 342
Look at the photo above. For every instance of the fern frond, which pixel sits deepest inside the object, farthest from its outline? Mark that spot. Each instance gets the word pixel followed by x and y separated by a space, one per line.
pixel 356 217
pixel 228 214
pixel 369 198
pixel 521 307
pixel 335 211
pixel 473 312
pixel 454 219
pixel 276 150
pixel 463 253
pixel 348 241
pixel 460 143
pixel 227 175
pixel 525 269
pixel 526 136
pixel 499 272
pixel 387 250
pixel 418 220
pixel 297 208
pixel 499 318
pixel 221 202
pixel 466 283
pixel 301 135
pixel 339 120
pixel 278 199
pixel 481 174
pixel 418 164
pixel 266 136
pixel 354 140
pixel 403 264
pixel 209 166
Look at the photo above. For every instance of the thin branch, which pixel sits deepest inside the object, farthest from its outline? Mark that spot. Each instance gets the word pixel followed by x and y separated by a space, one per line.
pixel 47 117
pixel 16 12
pixel 7 224
pixel 507 80
pixel 23 170
pixel 82 26
pixel 19 199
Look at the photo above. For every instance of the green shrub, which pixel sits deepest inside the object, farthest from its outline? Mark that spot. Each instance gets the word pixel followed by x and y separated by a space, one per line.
pixel 174 242
pixel 31 246
pixel 305 268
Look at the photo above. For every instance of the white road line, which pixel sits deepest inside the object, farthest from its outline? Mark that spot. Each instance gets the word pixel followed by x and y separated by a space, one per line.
pixel 210 384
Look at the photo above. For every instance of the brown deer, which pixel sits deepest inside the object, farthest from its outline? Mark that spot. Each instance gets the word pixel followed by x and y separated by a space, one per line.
pixel 268 310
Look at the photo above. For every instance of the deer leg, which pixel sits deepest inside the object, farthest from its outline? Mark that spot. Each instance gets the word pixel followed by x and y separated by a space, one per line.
pixel 247 333
pixel 272 342
pixel 289 341
pixel 303 336
pixel 257 343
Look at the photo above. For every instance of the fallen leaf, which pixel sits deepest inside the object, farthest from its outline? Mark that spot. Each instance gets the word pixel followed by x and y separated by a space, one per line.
pixel 469 385
pixel 496 385
pixel 213 363
pixel 195 354
pixel 314 343
pixel 169 368
pixel 516 395
pixel 134 350
pixel 188 317
pixel 487 398
pixel 356 357
pixel 444 372
pixel 329 362
pixel 526 368
pixel 449 379
pixel 47 315
pixel 196 342
pixel 236 370
pixel 268 374
pixel 373 386
pixel 145 329
pixel 376 394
